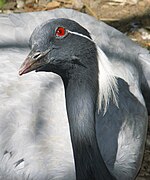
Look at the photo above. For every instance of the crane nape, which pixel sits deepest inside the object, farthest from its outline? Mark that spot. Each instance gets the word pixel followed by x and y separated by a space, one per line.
pixel 104 75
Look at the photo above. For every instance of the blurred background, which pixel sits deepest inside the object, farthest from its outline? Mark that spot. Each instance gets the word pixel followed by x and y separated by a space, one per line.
pixel 132 17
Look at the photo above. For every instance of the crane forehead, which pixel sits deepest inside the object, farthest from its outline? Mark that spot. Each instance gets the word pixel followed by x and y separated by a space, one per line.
pixel 46 31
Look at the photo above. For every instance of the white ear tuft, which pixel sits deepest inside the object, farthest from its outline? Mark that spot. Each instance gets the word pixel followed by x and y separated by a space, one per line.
pixel 108 87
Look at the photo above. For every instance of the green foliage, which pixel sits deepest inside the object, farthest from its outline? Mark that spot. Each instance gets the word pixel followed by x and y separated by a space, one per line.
pixel 2 2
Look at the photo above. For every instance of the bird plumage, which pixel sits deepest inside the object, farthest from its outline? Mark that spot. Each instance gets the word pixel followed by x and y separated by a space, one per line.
pixel 35 140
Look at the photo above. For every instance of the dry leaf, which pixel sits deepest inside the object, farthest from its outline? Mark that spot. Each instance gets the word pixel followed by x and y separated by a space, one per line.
pixel 77 4
pixel 65 1
pixel 52 5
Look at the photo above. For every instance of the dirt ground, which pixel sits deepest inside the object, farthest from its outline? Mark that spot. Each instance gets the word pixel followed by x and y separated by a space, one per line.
pixel 131 17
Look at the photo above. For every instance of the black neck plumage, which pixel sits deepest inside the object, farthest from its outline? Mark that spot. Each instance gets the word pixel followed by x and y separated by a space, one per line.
pixel 81 99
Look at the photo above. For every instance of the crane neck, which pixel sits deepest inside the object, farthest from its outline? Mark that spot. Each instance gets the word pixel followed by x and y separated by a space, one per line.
pixel 81 92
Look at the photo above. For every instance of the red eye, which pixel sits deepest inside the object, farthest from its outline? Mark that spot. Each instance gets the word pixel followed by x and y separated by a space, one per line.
pixel 60 32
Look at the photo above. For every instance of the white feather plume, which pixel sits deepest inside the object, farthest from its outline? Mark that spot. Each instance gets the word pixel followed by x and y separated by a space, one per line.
pixel 108 88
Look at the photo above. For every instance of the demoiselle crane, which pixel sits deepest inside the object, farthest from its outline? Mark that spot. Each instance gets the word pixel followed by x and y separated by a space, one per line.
pixel 106 111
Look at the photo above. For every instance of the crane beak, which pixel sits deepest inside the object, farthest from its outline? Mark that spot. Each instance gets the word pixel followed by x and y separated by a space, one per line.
pixel 28 65
pixel 33 62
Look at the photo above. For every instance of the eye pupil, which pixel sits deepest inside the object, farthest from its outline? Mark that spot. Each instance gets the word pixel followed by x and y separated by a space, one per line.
pixel 60 32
